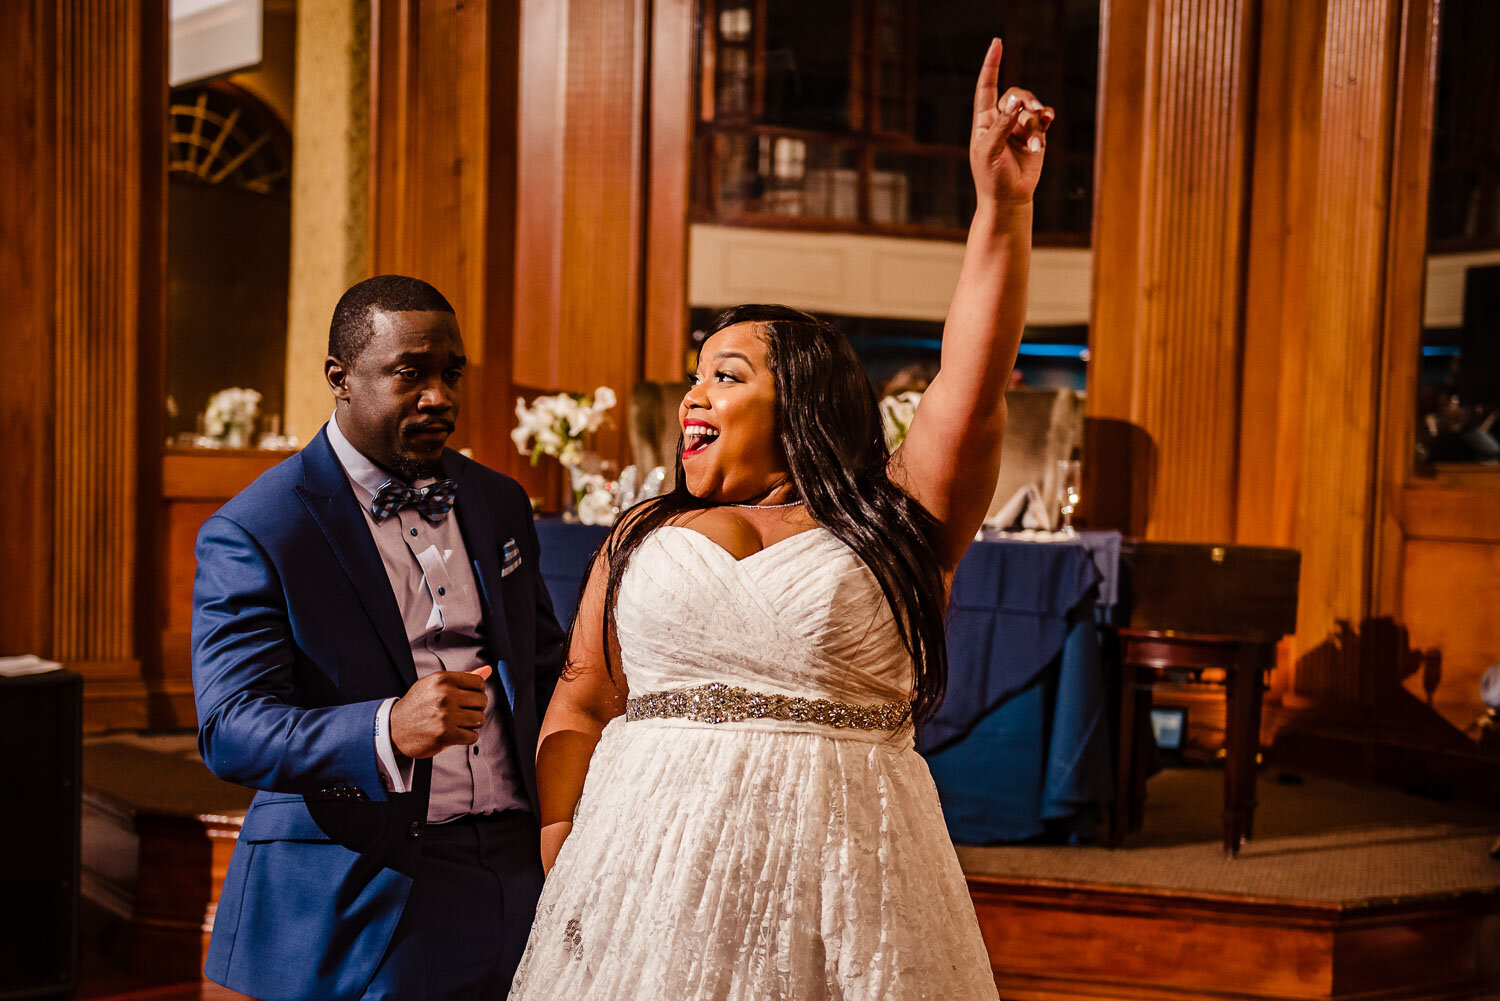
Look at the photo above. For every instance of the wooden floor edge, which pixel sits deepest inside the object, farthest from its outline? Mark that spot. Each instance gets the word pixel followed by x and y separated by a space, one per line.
pixel 1134 899
pixel 1025 987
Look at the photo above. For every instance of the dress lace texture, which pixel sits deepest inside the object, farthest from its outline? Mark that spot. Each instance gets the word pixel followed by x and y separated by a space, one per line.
pixel 763 858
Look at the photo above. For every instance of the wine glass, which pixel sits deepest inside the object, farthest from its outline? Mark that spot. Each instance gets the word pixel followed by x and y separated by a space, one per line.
pixel 1069 481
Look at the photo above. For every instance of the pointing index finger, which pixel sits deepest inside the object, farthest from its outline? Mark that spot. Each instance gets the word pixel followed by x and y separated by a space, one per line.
pixel 987 90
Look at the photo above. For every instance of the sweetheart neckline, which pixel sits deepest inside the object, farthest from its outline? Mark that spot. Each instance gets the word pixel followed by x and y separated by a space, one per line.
pixel 759 552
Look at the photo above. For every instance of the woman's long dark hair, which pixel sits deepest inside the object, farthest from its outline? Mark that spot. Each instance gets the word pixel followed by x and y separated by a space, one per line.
pixel 828 424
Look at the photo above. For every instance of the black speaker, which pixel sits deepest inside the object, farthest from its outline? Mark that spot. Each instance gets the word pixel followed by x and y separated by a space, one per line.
pixel 41 738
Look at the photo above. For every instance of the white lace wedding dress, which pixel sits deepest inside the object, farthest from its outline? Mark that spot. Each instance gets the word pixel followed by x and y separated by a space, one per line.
pixel 767 859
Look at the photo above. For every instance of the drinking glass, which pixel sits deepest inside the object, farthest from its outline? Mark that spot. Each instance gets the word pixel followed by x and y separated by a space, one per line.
pixel 1069 481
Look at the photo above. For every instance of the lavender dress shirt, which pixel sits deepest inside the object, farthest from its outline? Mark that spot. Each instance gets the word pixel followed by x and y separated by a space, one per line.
pixel 434 584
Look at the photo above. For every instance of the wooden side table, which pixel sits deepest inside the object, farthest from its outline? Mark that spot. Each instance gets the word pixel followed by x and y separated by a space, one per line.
pixel 1147 655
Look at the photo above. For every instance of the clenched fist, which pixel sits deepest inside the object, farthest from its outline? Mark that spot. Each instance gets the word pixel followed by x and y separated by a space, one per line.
pixel 440 710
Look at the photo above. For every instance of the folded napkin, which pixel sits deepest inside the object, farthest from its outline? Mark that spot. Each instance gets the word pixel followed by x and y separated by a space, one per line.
pixel 1025 510
pixel 15 667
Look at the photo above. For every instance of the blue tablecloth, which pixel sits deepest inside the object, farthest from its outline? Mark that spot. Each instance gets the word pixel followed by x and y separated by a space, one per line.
pixel 1020 747
pixel 566 549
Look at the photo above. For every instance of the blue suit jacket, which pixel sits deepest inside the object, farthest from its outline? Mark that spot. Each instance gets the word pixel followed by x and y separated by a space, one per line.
pixel 296 641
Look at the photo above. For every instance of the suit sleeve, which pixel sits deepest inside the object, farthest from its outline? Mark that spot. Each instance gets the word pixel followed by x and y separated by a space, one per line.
pixel 250 729
pixel 551 637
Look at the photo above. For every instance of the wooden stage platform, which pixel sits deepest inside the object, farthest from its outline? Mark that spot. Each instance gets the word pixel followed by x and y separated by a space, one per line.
pixel 1346 893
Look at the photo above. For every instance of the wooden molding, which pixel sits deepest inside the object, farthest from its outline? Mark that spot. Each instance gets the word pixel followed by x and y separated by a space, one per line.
pixel 1456 515
pixel 212 474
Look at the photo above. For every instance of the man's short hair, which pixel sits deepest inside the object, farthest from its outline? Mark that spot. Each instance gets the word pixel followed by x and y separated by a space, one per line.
pixel 354 317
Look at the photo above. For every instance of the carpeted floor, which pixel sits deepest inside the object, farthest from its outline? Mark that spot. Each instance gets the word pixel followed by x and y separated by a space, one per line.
pixel 1316 840
pixel 157 773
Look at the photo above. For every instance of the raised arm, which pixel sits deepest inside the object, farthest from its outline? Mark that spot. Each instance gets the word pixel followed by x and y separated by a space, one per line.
pixel 586 699
pixel 951 456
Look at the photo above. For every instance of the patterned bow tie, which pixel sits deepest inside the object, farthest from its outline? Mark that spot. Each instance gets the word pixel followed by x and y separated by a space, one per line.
pixel 432 502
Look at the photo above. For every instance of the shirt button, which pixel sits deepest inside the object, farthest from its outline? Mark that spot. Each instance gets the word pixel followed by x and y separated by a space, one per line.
pixel 476 749
pixel 415 830
pixel 442 591
pixel 414 533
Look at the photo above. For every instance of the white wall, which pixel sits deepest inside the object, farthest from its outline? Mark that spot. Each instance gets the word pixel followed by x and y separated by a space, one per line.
pixel 856 275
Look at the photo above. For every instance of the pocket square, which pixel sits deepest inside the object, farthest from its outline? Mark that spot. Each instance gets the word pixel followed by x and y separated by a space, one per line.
pixel 510 558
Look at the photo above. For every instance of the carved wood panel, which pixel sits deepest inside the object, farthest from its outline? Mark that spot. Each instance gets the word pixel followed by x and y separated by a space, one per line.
pixel 83 100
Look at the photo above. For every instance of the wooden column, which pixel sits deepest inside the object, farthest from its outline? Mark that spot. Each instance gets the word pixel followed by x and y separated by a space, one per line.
pixel 84 105
pixel 1165 340
pixel 1314 321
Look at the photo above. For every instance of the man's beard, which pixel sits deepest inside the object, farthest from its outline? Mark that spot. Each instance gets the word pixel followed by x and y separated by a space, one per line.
pixel 412 470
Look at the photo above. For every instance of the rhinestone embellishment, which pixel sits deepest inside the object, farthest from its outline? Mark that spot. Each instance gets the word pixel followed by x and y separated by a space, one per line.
pixel 718 703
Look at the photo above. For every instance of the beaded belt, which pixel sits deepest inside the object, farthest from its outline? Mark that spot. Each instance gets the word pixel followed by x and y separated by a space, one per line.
pixel 717 703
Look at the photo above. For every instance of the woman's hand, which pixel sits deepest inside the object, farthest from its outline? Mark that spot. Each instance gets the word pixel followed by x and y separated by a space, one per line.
pixel 1008 139
pixel 951 457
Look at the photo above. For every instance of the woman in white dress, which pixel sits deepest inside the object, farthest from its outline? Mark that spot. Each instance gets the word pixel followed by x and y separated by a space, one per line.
pixel 732 806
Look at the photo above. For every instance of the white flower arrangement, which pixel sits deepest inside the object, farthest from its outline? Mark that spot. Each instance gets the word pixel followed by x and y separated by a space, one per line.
pixel 896 413
pixel 557 425
pixel 231 410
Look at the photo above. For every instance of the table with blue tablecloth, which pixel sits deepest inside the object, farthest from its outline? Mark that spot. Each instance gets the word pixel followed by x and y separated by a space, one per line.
pixel 1020 748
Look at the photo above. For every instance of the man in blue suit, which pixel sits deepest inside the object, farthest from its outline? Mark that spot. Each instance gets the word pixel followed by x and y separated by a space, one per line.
pixel 373 649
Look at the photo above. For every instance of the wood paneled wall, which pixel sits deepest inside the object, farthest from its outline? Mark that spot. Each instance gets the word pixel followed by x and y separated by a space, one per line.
pixel 443 177
pixel 84 107
pixel 1262 184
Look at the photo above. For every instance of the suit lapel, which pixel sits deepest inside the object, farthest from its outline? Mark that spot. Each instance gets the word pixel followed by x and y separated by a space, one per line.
pixel 477 523
pixel 331 502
